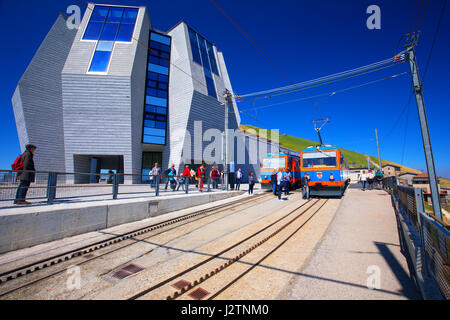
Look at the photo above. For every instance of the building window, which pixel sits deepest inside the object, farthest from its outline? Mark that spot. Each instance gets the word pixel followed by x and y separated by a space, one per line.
pixel 156 92
pixel 148 162
pixel 203 54
pixel 108 25
pixel 194 46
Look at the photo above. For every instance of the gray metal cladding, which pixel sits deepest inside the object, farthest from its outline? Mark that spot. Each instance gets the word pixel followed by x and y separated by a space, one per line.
pixel 37 101
pixel 103 112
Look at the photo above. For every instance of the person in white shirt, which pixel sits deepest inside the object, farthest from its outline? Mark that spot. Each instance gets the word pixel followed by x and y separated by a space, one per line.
pixel 279 182
pixel 363 179
pixel 238 178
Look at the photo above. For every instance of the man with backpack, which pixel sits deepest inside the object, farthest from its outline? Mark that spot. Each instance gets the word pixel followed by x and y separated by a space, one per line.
pixel 174 173
pixel 215 177
pixel 24 164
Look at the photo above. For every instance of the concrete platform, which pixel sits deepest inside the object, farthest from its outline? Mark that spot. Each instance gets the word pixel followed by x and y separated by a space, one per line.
pixel 360 247
pixel 22 257
pixel 26 226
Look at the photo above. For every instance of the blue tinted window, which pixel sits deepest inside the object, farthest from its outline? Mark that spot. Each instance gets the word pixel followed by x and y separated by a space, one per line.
pixel 93 31
pixel 100 61
pixel 109 31
pixel 158 69
pixel 160 124
pixel 129 15
pixel 161 110
pixel 160 102
pixel 159 38
pixel 116 18
pixel 125 33
pixel 115 14
pixel 212 58
pixel 155 109
pixel 204 54
pixel 194 46
pixel 104 25
pixel 105 45
pixel 99 13
pixel 154 132
pixel 211 88
pixel 154 140
pixel 149 108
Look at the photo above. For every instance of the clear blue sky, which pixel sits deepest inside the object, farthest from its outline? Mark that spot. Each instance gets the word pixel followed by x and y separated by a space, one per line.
pixel 306 39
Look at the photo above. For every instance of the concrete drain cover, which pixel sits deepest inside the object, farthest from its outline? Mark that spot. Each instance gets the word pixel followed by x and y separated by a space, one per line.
pixel 198 294
pixel 180 284
pixel 126 271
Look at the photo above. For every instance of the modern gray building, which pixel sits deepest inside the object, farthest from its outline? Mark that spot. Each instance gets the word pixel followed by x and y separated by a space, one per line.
pixel 118 94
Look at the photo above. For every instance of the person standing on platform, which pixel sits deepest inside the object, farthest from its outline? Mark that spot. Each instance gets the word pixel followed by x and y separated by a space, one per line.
pixel 363 180
pixel 174 173
pixel 201 177
pixel 273 181
pixel 238 179
pixel 251 182
pixel 279 182
pixel 231 175
pixel 186 174
pixel 287 182
pixel 305 186
pixel 370 179
pixel 27 176
pixel 193 177
pixel 154 174
pixel 214 177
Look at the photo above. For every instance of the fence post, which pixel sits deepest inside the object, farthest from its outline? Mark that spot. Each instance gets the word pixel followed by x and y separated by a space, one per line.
pixel 420 208
pixel 115 186
pixel 51 187
pixel 157 186
pixel 186 182
pixel 209 185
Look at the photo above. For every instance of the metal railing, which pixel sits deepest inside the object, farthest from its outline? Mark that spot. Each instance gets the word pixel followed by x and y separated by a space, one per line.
pixel 424 240
pixel 51 186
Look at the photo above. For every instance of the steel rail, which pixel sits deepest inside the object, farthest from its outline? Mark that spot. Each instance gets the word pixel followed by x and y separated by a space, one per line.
pixel 65 256
pixel 212 257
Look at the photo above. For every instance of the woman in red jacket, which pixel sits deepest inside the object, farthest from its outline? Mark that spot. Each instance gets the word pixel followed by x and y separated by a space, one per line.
pixel 201 176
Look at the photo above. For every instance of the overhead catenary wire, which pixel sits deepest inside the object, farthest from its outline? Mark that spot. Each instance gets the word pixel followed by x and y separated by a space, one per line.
pixel 399 117
pixel 319 83
pixel 322 79
pixel 328 94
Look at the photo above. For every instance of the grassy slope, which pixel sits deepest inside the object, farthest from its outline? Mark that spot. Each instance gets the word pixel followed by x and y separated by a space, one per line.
pixel 298 144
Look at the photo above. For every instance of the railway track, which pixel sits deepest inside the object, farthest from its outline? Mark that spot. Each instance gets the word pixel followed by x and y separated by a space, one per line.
pixel 133 236
pixel 208 268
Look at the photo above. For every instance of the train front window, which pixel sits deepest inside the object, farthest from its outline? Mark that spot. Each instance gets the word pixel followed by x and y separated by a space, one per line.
pixel 319 159
pixel 274 163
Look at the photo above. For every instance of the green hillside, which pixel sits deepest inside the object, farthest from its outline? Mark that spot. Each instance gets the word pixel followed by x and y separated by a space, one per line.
pixel 354 158
pixel 297 144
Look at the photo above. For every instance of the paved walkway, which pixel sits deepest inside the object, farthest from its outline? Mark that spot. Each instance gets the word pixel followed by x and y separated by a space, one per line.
pixel 75 194
pixel 361 242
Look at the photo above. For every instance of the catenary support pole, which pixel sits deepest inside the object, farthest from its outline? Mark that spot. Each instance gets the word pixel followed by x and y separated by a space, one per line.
pixel 378 147
pixel 227 96
pixel 417 87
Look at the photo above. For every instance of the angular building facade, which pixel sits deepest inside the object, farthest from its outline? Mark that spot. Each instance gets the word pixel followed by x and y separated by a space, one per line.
pixel 118 94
